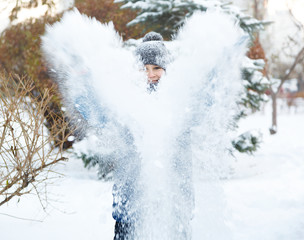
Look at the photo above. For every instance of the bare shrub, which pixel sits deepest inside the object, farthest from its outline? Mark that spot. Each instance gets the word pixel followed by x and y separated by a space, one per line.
pixel 28 149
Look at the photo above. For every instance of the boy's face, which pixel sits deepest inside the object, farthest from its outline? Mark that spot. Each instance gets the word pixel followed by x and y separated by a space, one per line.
pixel 154 73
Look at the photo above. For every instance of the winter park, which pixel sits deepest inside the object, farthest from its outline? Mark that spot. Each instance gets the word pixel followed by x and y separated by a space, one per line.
pixel 145 120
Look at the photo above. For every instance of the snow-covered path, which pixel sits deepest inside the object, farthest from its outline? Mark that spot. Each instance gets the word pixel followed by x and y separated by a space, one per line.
pixel 265 196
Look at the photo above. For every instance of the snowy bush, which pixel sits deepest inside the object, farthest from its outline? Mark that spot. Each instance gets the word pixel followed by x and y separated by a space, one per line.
pixel 247 142
pixel 88 151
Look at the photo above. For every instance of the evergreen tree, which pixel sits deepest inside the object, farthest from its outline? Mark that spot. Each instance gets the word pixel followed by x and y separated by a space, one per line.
pixel 167 16
pixel 164 17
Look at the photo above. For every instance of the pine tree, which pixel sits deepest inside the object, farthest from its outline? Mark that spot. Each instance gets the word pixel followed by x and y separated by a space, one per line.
pixel 164 17
pixel 167 16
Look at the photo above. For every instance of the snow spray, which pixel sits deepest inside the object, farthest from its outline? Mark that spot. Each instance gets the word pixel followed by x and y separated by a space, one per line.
pixel 170 146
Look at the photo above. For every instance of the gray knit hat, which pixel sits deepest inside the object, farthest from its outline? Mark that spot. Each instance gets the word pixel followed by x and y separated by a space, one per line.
pixel 152 50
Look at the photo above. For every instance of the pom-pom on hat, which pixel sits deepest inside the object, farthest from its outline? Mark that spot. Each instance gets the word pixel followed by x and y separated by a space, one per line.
pixel 152 50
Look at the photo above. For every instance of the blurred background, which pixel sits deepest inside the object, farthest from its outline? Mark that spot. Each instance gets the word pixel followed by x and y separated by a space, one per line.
pixel 36 134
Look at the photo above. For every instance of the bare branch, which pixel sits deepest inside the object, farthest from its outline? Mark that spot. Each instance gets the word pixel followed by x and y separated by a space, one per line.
pixel 26 219
pixel 298 59
pixel 297 23
pixel 27 149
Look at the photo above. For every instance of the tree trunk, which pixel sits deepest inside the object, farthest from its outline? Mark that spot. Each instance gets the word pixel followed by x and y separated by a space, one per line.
pixel 273 129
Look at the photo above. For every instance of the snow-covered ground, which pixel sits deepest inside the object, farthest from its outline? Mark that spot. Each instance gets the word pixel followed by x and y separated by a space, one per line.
pixel 265 195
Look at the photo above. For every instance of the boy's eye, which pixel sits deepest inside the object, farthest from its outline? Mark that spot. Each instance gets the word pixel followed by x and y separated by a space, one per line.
pixel 156 68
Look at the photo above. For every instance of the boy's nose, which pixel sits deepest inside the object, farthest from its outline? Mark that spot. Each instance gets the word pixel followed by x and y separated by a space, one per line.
pixel 150 74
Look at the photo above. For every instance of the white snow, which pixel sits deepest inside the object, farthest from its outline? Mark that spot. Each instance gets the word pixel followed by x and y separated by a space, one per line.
pixel 290 85
pixel 6 7
pixel 265 195
pixel 79 208
pixel 155 120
